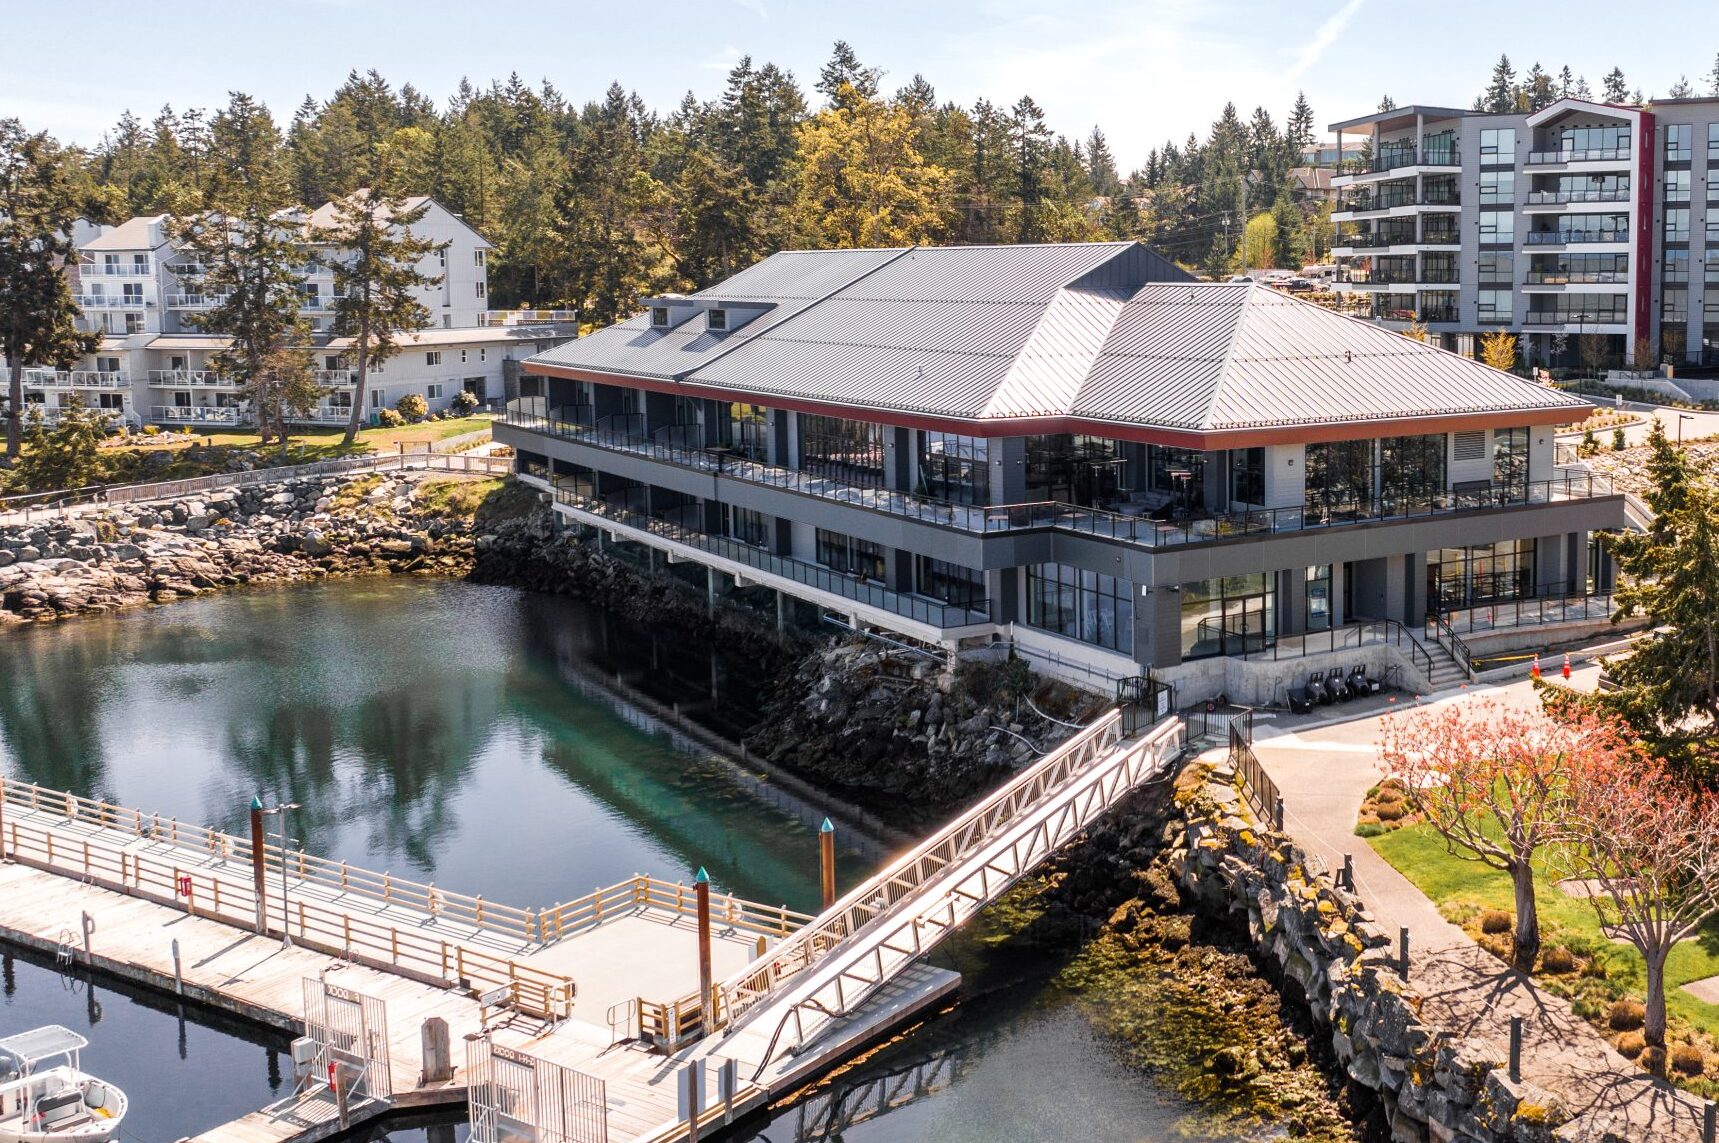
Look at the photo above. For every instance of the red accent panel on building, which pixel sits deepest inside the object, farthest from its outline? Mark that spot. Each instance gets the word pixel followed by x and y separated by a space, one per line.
pixel 1642 272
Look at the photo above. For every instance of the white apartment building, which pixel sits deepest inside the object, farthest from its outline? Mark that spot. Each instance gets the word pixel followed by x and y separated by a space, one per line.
pixel 155 366
pixel 1580 223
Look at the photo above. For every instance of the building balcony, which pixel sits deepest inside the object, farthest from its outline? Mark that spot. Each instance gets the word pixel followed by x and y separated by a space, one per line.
pixel 321 303
pixel 1613 278
pixel 1574 237
pixel 1569 197
pixel 1392 206
pixel 109 301
pixel 190 378
pixel 1597 155
pixel 745 558
pixel 322 415
pixel 1596 320
pixel 114 270
pixel 525 317
pixel 196 414
pixel 1120 527
pixel 76 379
pixel 194 301
pixel 336 378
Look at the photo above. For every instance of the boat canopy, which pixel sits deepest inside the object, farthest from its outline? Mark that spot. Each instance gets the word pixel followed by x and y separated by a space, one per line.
pixel 42 1044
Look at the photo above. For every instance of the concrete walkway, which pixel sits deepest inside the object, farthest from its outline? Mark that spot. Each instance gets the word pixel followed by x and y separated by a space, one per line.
pixel 1323 764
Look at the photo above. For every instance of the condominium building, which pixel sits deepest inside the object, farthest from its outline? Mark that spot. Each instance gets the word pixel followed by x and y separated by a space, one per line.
pixel 155 364
pixel 1074 448
pixel 1585 228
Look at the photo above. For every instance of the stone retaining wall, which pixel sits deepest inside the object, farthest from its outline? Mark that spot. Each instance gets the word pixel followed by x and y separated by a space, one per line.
pixel 1433 1087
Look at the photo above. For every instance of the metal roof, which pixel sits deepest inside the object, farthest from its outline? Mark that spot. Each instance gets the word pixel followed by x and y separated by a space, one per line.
pixel 43 1043
pixel 1103 331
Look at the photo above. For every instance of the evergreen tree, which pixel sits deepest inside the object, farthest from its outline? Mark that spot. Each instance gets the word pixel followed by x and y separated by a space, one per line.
pixel 68 454
pixel 1537 90
pixel 1682 89
pixel 845 71
pixel 38 319
pixel 1500 95
pixel 250 256
pixel 1101 165
pixel 1566 83
pixel 1713 78
pixel 1615 89
pixel 1386 103
pixel 1299 132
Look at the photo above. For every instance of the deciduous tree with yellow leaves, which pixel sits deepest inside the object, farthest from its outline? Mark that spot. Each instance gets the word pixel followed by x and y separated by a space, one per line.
pixel 863 182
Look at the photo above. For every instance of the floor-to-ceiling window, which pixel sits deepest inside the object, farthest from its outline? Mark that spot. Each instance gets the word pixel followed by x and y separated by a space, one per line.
pixel 954 584
pixel 842 449
pixel 955 468
pixel 748 430
pixel 1179 472
pixel 1412 468
pixel 1339 478
pixel 745 525
pixel 1463 577
pixel 1510 461
pixel 1228 616
pixel 1247 475
pixel 1089 606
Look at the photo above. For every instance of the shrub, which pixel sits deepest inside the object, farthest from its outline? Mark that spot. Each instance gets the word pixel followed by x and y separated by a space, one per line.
pixel 465 404
pixel 1558 960
pixel 1630 1045
pixel 1653 1059
pixel 1495 921
pixel 389 419
pixel 151 430
pixel 1373 792
pixel 1618 441
pixel 1687 1058
pixel 1459 913
pixel 1391 811
pixel 1369 829
pixel 1626 1016
pixel 412 406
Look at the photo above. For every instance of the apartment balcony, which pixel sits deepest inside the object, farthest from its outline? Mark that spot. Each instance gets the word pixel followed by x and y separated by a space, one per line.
pixel 194 301
pixel 322 415
pixel 335 378
pixel 1610 156
pixel 1595 320
pixel 1555 201
pixel 115 270
pixel 196 414
pixel 190 378
pixel 76 379
pixel 1561 281
pixel 1576 238
pixel 1393 206
pixel 109 301
pixel 525 317
pixel 321 303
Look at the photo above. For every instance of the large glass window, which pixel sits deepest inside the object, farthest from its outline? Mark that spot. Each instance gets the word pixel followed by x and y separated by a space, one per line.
pixel 1438 267
pixel 953 584
pixel 841 449
pixel 1497 268
pixel 1677 185
pixel 747 526
pixel 1595 141
pixel 1676 266
pixel 1581 228
pixel 1494 307
pixel 1565 268
pixel 1498 145
pixel 749 430
pixel 1497 187
pixel 1084 605
pixel 1247 475
pixel 1412 468
pixel 1180 472
pixel 849 556
pixel 1712 147
pixel 1463 577
pixel 1318 597
pixel 1510 460
pixel 1580 309
pixel 1228 616
pixel 1675 307
pixel 1339 477
pixel 1677 224
pixel 1497 227
pixel 1678 142
pixel 1581 188
pixel 955 468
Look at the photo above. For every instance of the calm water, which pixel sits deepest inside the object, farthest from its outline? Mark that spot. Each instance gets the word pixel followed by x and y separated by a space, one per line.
pixel 451 732
pixel 186 1069
pixel 438 730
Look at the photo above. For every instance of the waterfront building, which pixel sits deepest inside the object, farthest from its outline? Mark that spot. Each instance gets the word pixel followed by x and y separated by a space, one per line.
pixel 154 365
pixel 1073 448
pixel 1584 228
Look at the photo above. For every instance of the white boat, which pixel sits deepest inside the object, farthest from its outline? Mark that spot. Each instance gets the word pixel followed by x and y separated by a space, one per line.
pixel 45 1095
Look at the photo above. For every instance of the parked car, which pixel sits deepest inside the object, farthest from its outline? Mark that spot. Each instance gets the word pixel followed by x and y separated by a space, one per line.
pixel 1299 286
pixel 1241 278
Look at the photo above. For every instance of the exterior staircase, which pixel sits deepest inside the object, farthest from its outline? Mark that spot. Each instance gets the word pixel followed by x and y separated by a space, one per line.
pixel 1447 672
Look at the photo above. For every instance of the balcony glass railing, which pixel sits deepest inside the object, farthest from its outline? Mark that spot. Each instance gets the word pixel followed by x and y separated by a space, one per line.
pixel 1598 154
pixel 187 377
pixel 114 270
pixel 109 301
pixel 194 301
pixel 1573 237
pixel 1393 158
pixel 1576 317
pixel 195 414
pixel 1556 197
pixel 865 591
pixel 1065 517
pixel 1577 277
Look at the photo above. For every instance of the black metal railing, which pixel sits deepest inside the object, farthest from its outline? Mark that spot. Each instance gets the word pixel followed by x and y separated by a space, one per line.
pixel 1528 611
pixel 1575 317
pixel 1573 485
pixel 1553 198
pixel 1256 785
pixel 1144 701
pixel 855 588
pixel 1349 636
pixel 1577 277
pixel 1574 237
pixel 1591 154
pixel 1441 633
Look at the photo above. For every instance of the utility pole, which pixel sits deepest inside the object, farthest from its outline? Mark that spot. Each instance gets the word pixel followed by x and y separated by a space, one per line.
pixel 286 917
pixel 259 870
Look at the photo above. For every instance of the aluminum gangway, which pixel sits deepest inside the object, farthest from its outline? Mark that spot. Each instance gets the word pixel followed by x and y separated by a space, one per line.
pixel 775 1007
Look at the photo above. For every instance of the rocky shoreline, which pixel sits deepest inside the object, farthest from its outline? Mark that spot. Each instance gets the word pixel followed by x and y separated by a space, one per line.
pixel 135 554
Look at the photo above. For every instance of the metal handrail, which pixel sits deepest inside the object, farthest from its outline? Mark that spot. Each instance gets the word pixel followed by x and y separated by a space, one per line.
pixel 1447 638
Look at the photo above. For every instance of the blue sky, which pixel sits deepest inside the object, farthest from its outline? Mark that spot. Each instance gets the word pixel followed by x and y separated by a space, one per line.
pixel 1145 70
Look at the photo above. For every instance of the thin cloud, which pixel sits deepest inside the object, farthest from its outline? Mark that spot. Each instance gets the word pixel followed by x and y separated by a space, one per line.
pixel 723 60
pixel 756 7
pixel 1323 39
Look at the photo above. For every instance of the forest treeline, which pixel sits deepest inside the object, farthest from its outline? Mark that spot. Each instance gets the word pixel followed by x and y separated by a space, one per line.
pixel 591 206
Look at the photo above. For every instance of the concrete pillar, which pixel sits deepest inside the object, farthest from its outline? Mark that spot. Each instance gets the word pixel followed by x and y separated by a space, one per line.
pixel 901 457
pixel 781 612
pixel 1217 482
pixel 1338 613
pixel 1292 601
pixel 900 569
pixel 1414 590
pixel 1003 588
pixel 1550 569
pixel 710 591
pixel 1009 470
pixel 779 452
pixel 1165 603
pixel 784 545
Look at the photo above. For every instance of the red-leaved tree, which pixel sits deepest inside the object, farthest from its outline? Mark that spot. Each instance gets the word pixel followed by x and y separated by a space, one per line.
pixel 1647 841
pixel 1493 781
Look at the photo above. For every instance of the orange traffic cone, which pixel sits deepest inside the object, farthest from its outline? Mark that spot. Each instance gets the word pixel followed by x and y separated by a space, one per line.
pixel 1566 664
pixel 1534 671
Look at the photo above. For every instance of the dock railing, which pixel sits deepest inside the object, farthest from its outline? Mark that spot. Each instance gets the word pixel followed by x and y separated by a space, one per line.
pixel 188 866
pixel 645 892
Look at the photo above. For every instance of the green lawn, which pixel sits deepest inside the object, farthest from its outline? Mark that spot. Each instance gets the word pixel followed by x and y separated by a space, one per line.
pixel 324 442
pixel 1421 856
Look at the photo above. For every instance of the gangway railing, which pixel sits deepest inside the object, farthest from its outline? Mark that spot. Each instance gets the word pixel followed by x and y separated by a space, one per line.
pixel 898 917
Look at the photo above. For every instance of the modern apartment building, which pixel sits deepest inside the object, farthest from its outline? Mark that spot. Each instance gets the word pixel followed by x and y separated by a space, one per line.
pixel 155 364
pixel 1072 447
pixel 1585 228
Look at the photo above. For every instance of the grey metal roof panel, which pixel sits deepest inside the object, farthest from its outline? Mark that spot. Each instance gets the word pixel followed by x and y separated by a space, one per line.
pixel 1216 357
pixel 979 274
